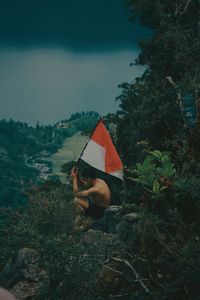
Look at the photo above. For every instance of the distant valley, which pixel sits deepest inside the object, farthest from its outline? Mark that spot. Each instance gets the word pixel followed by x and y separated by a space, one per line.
pixel 29 154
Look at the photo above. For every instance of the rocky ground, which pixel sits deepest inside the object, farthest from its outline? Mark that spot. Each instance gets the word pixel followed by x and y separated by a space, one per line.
pixel 105 242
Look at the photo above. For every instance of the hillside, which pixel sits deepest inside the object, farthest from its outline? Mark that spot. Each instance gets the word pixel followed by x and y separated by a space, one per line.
pixel 146 248
pixel 69 151
pixel 25 150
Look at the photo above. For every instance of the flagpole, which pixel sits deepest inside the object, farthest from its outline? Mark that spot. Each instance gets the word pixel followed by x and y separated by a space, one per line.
pixel 100 119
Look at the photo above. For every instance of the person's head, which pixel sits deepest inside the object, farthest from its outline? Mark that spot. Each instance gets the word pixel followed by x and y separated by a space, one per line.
pixel 89 175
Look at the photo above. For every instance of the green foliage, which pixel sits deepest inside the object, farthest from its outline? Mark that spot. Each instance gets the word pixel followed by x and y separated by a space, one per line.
pixel 168 258
pixel 165 187
pixel 155 173
pixel 47 225
pixel 22 144
pixel 150 113
pixel 173 46
pixel 150 118
pixel 149 108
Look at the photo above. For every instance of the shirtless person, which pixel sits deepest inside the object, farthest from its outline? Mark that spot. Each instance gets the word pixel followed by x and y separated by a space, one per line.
pixel 96 198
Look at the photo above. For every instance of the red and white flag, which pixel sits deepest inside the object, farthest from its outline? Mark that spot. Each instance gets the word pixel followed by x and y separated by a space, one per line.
pixel 101 154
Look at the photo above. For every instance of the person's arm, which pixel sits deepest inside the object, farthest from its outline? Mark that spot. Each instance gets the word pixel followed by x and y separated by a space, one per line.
pixel 74 176
pixel 87 193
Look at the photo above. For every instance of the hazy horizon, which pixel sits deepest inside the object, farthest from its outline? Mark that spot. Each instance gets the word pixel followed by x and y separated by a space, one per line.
pixel 58 58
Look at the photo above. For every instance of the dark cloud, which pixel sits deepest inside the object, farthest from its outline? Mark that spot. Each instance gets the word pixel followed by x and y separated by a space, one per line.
pixel 76 24
pixel 48 85
pixel 62 56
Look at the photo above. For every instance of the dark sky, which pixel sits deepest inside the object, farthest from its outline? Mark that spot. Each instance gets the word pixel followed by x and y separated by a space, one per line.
pixel 58 57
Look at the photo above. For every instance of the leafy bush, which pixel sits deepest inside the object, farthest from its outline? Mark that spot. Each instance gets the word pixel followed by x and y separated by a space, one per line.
pixel 168 258
pixel 155 173
pixel 47 225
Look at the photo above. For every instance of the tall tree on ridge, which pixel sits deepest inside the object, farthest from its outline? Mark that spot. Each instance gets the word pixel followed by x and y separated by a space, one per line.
pixel 149 106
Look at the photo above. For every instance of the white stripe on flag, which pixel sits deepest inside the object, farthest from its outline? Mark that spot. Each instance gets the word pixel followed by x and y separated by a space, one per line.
pixel 118 174
pixel 94 155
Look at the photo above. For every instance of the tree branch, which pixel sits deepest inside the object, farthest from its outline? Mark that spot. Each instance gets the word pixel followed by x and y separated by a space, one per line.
pixel 180 9
pixel 121 295
pixel 135 273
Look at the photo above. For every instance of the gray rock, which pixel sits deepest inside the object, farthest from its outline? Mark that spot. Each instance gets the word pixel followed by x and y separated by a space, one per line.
pixel 128 228
pixel 22 275
pixel 110 220
pixel 132 217
pixel 101 243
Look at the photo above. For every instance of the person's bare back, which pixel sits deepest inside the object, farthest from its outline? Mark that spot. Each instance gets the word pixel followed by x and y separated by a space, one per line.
pixel 96 198
pixel 102 195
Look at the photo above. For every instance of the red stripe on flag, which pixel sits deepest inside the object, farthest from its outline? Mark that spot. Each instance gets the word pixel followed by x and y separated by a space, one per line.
pixel 112 159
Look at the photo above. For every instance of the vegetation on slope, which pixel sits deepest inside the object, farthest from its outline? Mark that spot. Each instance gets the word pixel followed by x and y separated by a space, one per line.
pixel 19 142
pixel 162 156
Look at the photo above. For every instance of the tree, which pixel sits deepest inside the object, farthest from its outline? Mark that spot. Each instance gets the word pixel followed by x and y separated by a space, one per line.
pixel 149 106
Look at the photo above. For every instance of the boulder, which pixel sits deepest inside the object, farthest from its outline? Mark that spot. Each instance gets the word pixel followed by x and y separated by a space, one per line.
pixel 101 243
pixel 128 228
pixel 125 226
pixel 22 275
pixel 109 221
pixel 111 218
